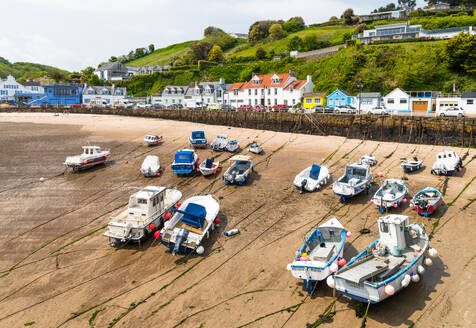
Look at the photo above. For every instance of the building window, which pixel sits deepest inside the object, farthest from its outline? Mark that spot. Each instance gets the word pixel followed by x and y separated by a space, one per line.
pixel 262 92
pixel 390 101
pixel 403 101
pixel 470 102
pixel 285 102
pixel 256 101
pixel 249 92
pixel 269 101
pixel 317 101
pixel 308 100
pixel 294 101
pixel 269 91
pixel 235 92
pixel 275 101
pixel 256 92
pixel 275 91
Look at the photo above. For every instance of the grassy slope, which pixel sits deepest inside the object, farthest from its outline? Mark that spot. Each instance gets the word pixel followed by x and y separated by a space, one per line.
pixel 21 69
pixel 162 56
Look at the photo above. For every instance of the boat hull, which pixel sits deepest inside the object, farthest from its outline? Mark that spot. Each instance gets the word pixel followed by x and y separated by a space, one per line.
pixel 89 163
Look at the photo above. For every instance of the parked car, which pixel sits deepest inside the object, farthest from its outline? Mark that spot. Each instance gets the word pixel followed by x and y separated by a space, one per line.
pixel 259 108
pixel 214 106
pixel 78 106
pixel 175 106
pixel 379 110
pixel 322 109
pixel 279 108
pixel 228 107
pixel 452 111
pixel 346 109
pixel 245 107
pixel 158 106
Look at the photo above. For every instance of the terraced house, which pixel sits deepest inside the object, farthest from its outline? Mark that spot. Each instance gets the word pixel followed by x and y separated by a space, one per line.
pixel 206 93
pixel 103 95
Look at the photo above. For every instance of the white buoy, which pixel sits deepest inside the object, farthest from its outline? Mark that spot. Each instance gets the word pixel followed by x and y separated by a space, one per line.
pixel 200 250
pixel 428 262
pixel 42 179
pixel 389 290
pixel 406 281
pixel 288 267
pixel 415 277
pixel 432 252
pixel 334 267
pixel 330 281
pixel 421 269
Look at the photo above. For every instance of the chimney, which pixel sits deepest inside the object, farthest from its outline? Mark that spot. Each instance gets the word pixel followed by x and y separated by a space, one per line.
pixel 292 73
pixel 309 78
pixel 222 80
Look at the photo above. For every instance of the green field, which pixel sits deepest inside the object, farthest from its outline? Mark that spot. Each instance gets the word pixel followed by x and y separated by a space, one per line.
pixel 24 71
pixel 162 56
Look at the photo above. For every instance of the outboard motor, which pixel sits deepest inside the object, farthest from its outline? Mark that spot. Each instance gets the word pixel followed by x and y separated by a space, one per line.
pixel 233 176
pixel 303 185
pixel 181 237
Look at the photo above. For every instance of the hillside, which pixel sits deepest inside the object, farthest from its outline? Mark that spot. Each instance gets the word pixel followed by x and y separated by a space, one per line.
pixel 162 56
pixel 22 70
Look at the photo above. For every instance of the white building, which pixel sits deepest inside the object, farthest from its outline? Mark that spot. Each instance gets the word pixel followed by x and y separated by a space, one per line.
pixel 116 71
pixel 270 90
pixel 11 90
pixel 172 95
pixel 206 93
pixel 447 101
pixel 468 102
pixel 368 100
pixel 103 95
pixel 397 101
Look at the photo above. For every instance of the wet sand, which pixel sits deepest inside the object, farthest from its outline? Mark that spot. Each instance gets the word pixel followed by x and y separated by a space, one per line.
pixel 57 268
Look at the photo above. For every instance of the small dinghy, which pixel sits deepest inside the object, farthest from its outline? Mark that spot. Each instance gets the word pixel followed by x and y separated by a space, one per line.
pixel 232 146
pixel 447 163
pixel 220 142
pixel 185 162
pixel 427 201
pixel 151 167
pixel 209 167
pixel 389 264
pixel 312 178
pixel 191 223
pixel 323 248
pixel 369 160
pixel 255 148
pixel 356 179
pixel 411 165
pixel 152 139
pixel 239 171
pixel 197 139
pixel 147 210
pixel 91 156
pixel 390 194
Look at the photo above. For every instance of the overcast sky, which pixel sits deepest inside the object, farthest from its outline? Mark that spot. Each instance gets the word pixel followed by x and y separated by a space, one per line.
pixel 75 34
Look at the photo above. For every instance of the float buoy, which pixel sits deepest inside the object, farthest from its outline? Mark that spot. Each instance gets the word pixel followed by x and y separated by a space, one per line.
pixel 200 250
pixel 157 234
pixel 415 277
pixel 421 269
pixel 330 281
pixel 348 234
pixel 428 262
pixel 389 290
pixel 152 226
pixel 334 267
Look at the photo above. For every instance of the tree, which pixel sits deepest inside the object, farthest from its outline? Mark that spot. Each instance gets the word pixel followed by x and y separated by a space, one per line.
pixel 260 53
pixel 140 52
pixel 200 50
pixel 210 30
pixel 260 30
pixel 276 32
pixel 334 20
pixel 294 43
pixel 86 74
pixel 460 53
pixel 151 48
pixel 310 42
pixel 407 3
pixel 216 54
pixel 361 27
pixel 113 59
pixel 294 24
pixel 177 62
pixel 389 7
pixel 347 16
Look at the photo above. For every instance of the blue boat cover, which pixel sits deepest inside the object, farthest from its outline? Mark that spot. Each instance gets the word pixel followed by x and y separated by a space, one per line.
pixel 194 215
pixel 314 174
pixel 184 156
pixel 209 163
pixel 198 135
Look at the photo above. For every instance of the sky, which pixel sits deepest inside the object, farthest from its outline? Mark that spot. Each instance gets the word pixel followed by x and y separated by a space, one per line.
pixel 75 34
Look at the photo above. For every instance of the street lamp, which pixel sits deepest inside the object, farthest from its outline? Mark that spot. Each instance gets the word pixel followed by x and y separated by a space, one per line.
pixel 360 86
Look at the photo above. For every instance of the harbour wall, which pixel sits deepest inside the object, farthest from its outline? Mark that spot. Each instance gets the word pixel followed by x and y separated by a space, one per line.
pixel 405 129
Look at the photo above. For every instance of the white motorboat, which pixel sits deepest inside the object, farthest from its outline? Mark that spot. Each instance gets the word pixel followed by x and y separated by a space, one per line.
pixel 323 247
pixel 191 223
pixel 255 148
pixel 391 194
pixel 91 156
pixel 152 139
pixel 220 142
pixel 147 210
pixel 447 163
pixel 389 264
pixel 197 139
pixel 151 167
pixel 356 179
pixel 209 167
pixel 232 146
pixel 427 201
pixel 312 178
pixel 411 165
pixel 239 171
pixel 369 160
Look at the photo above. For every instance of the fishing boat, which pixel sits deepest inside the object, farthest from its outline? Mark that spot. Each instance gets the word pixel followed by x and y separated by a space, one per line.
pixel 197 139
pixel 255 148
pixel 312 178
pixel 147 210
pixel 356 179
pixel 220 142
pixel 239 171
pixel 232 146
pixel 323 247
pixel 411 165
pixel 152 139
pixel 151 167
pixel 426 201
pixel 369 160
pixel 191 223
pixel 447 163
pixel 209 167
pixel 390 194
pixel 389 264
pixel 185 162
pixel 91 156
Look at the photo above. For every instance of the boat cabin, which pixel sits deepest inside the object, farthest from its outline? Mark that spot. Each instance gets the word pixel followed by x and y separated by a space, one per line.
pixel 91 150
pixel 184 157
pixel 355 174
pixel 151 138
pixel 198 135
pixel 392 230
pixel 449 154
pixel 146 202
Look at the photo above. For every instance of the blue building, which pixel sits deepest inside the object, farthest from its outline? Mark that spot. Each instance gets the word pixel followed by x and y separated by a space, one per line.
pixel 340 98
pixel 63 94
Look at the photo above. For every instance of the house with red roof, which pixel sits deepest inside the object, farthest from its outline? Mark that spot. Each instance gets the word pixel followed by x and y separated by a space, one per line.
pixel 270 90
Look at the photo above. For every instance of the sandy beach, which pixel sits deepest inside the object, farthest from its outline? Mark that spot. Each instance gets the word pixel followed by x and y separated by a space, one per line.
pixel 57 269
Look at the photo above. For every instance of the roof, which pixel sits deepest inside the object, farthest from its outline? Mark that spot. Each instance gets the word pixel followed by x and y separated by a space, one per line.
pixel 468 94
pixel 266 81
pixel 98 89
pixel 345 93
pixel 315 94
pixel 238 85
pixel 115 66
pixel 244 158
pixel 148 192
pixel 296 85
pixel 29 83
pixel 369 95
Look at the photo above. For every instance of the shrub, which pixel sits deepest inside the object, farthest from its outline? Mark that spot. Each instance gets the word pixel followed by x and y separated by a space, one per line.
pixel 260 53
pixel 276 32
pixel 294 24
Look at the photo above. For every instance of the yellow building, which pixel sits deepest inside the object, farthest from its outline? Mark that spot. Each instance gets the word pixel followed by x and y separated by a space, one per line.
pixel 314 99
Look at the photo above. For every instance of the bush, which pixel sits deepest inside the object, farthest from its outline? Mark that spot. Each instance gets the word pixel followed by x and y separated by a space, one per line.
pixel 460 53
pixel 276 32
pixel 182 68
pixel 202 64
pixel 260 53
pixel 294 24
pixel 216 54
pixel 294 43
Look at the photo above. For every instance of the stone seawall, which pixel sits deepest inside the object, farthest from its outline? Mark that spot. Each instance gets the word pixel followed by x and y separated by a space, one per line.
pixel 405 129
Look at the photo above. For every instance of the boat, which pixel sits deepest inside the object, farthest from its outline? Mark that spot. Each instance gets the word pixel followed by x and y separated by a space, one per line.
pixel 232 146
pixel 391 194
pixel 426 201
pixel 220 142
pixel 369 160
pixel 411 165
pixel 209 167
pixel 185 162
pixel 152 139
pixel 239 171
pixel 255 148
pixel 197 139
pixel 323 247
pixel 312 178
pixel 91 156
pixel 147 210
pixel 191 223
pixel 151 167
pixel 447 163
pixel 356 179
pixel 389 264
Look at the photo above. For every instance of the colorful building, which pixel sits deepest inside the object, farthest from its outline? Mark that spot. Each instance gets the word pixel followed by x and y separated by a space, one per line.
pixel 312 99
pixel 340 98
